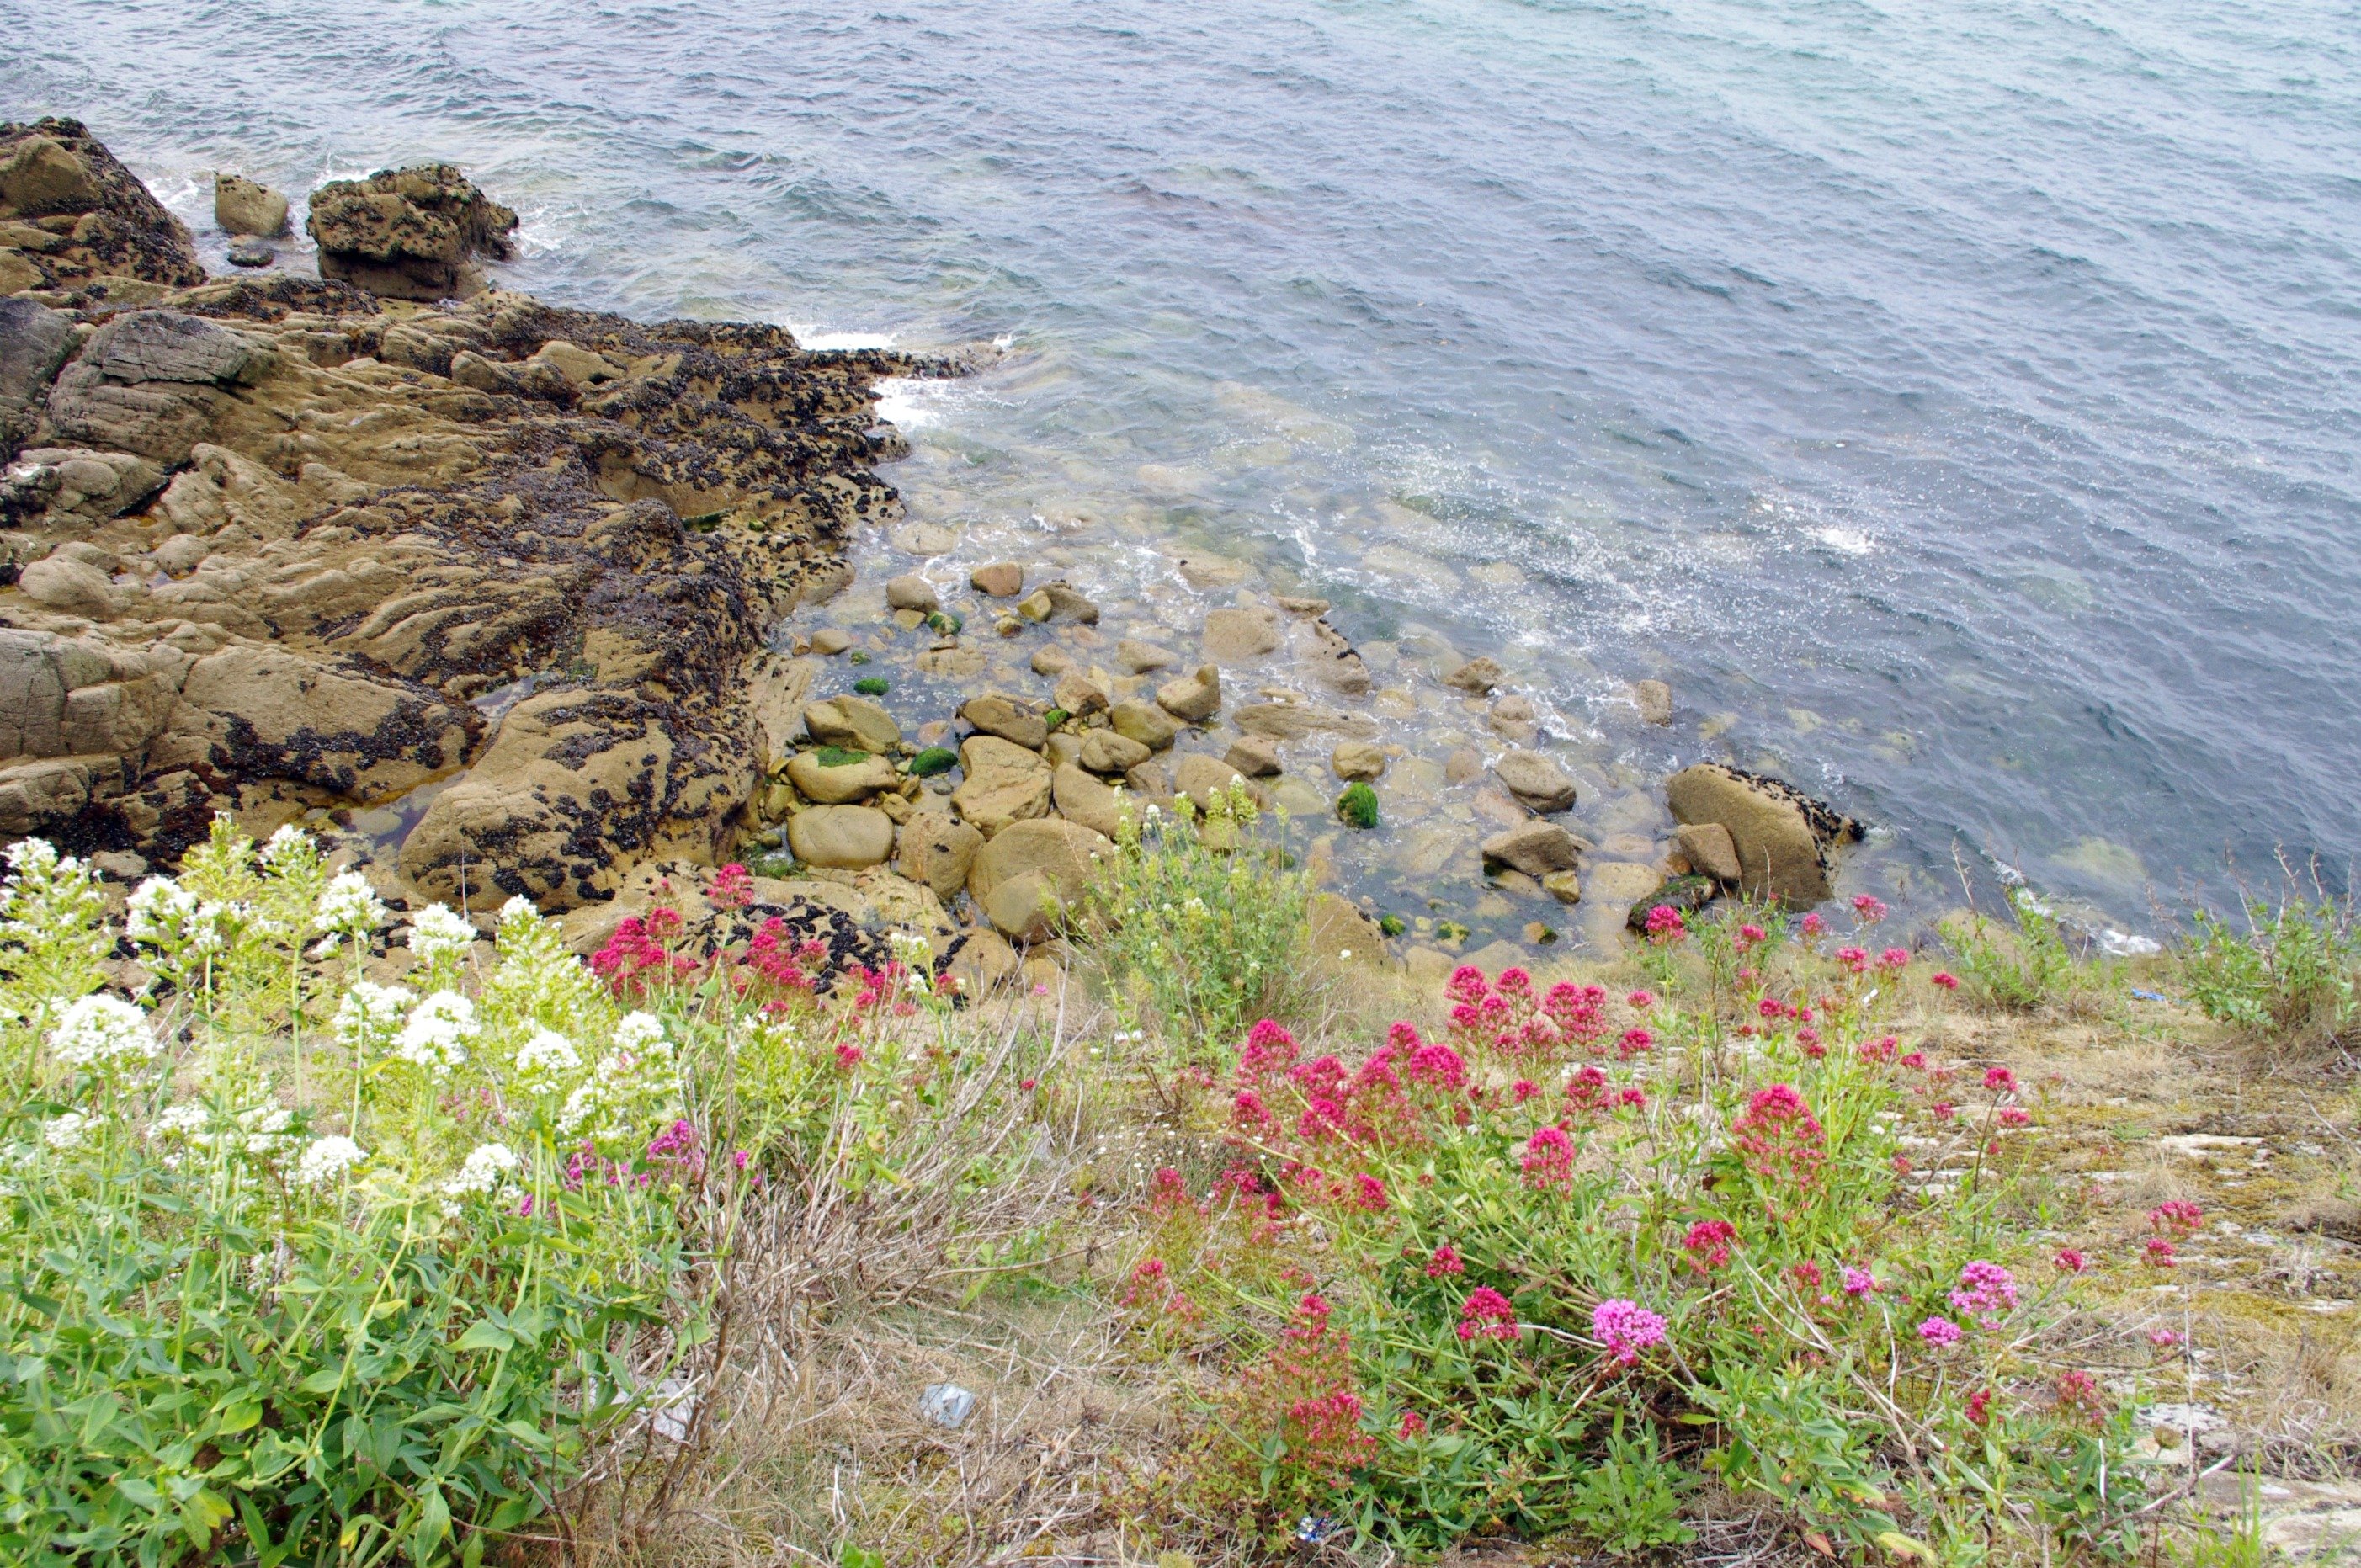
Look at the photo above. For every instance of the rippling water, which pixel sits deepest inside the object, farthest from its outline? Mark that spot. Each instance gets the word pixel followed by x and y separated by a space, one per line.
pixel 1957 401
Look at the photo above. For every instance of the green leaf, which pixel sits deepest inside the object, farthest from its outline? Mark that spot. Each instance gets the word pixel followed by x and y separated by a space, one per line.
pixel 484 1334
pixel 205 1512
pixel 238 1416
pixel 434 1524
pixel 324 1381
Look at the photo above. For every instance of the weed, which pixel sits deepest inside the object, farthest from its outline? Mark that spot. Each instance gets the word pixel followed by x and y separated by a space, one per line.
pixel 2287 980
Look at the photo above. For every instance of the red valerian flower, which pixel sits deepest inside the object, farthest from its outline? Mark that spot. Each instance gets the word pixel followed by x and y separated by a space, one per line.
pixel 1487 1314
pixel 1446 1261
pixel 1467 985
pixel 2160 1254
pixel 1413 1425
pixel 1625 1328
pixel 2000 1080
pixel 1779 1140
pixel 1549 1159
pixel 1708 1244
pixel 2179 1217
pixel 1868 908
pixel 1893 959
pixel 1665 925
pixel 1979 1406
pixel 1946 979
pixel 2068 1261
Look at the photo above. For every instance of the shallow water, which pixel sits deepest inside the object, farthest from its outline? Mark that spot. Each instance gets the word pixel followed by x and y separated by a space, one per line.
pixel 1955 402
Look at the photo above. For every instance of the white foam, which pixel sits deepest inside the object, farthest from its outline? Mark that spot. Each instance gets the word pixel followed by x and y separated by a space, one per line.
pixel 1845 541
pixel 912 404
pixel 817 341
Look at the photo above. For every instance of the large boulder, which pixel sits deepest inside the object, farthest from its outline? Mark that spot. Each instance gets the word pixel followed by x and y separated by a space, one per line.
pixel 1030 873
pixel 153 382
pixel 996 714
pixel 837 778
pixel 409 234
pixel 1781 836
pixel 1193 698
pixel 846 837
pixel 937 850
pixel 1004 783
pixel 854 723
pixel 1536 849
pixel 61 698
pixel 73 489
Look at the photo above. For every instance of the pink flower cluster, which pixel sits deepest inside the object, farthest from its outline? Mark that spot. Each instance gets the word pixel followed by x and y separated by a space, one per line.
pixel 1625 1328
pixel 1985 1291
pixel 1549 1160
pixel 1503 1016
pixel 1487 1314
pixel 1780 1142
pixel 1709 1244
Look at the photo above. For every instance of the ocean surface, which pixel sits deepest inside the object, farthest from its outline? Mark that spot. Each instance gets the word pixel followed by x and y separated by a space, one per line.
pixel 1957 401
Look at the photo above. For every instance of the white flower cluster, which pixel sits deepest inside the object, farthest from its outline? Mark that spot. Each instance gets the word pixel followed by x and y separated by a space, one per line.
pixel 162 913
pixel 438 1033
pixel 184 1123
pixel 544 1061
pixel 328 1160
pixel 69 1131
pixel 369 1015
pixel 348 907
pixel 633 1079
pixel 287 848
pixel 486 1169
pixel 38 858
pixel 437 934
pixel 101 1033
pixel 259 1132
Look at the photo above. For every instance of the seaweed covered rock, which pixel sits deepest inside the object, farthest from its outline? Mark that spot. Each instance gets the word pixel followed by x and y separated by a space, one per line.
pixel 409 234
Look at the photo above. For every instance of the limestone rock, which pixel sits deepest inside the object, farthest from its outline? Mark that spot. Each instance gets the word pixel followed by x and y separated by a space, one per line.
pixel 1032 870
pixel 1781 836
pixel 61 697
pixel 854 723
pixel 911 591
pixel 1358 759
pixel 152 382
pixel 1465 765
pixel 1539 784
pixel 252 709
pixel 1339 934
pixel 1477 676
pixel 1564 886
pixel 839 784
pixel 251 253
pixel 408 234
pixel 74 489
pixel 1000 580
pixel 246 206
pixel 1253 756
pixel 1335 661
pixel 573 363
pixel 1193 697
pixel 1067 602
pixel 1143 723
pixel 1294 721
pixel 846 837
pixel 937 850
pixel 1104 752
pixel 1236 636
pixel 1152 782
pixel 1654 701
pixel 977 961
pixel 829 641
pixel 1005 783
pixel 1711 852
pixel 1536 849
pixel 1051 662
pixel 994 714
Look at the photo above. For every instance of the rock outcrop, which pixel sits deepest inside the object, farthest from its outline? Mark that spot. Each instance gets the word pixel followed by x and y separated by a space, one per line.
pixel 276 545
pixel 72 219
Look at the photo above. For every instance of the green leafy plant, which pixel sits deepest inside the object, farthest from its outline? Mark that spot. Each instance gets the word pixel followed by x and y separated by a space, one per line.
pixel 2289 979
pixel 1358 806
pixel 1630 1499
pixel 2019 969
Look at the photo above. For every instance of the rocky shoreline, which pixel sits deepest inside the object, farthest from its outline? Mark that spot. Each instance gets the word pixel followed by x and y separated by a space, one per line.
pixel 520 599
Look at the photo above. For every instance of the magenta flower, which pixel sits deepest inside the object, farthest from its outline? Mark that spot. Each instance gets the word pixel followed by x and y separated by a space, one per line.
pixel 1625 1328
pixel 1487 1314
pixel 1939 1332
